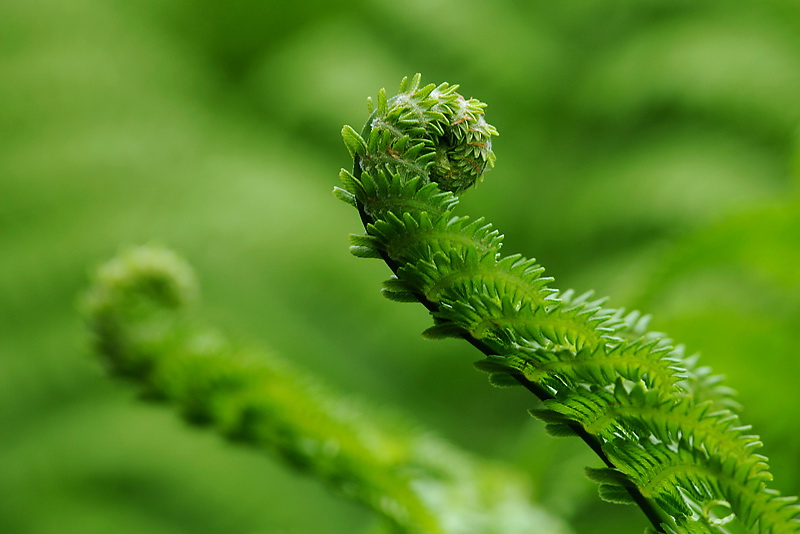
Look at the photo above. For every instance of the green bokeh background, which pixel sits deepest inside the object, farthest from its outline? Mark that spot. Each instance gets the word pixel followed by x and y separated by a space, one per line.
pixel 647 150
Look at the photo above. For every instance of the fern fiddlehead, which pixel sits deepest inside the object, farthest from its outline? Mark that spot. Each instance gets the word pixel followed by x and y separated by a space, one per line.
pixel 665 428
pixel 139 311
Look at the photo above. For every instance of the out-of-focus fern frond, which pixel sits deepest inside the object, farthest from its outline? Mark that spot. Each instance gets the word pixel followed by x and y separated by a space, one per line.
pixel 138 309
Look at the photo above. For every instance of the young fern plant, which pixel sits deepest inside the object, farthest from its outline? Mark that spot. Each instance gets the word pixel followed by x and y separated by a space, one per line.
pixel 666 430
pixel 140 309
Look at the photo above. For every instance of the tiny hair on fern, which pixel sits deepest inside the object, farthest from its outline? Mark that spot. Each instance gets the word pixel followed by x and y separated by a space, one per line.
pixel 666 429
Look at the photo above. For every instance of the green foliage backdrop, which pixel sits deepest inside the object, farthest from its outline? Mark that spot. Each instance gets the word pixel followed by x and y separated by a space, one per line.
pixel 648 149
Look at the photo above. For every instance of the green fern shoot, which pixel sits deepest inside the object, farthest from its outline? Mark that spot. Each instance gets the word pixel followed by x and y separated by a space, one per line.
pixel 666 430
pixel 141 313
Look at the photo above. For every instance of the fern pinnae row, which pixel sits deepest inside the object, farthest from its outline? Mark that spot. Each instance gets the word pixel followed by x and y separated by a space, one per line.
pixel 452 274
pixel 660 475
pixel 646 414
pixel 404 237
pixel 703 385
pixel 600 367
pixel 383 191
pixel 551 323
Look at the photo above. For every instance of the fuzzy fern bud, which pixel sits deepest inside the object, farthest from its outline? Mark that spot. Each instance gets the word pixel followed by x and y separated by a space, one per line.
pixel 431 131
pixel 417 484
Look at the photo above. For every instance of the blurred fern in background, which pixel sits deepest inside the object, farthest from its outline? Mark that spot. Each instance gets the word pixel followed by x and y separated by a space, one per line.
pixel 650 146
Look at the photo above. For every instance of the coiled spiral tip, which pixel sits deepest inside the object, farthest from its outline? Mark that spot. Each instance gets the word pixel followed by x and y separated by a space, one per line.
pixel 430 132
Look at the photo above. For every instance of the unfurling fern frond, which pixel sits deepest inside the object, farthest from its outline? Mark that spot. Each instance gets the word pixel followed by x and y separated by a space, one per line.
pixel 665 428
pixel 138 310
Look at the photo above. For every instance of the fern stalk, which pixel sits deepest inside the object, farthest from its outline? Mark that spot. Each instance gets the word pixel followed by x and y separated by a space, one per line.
pixel 665 429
